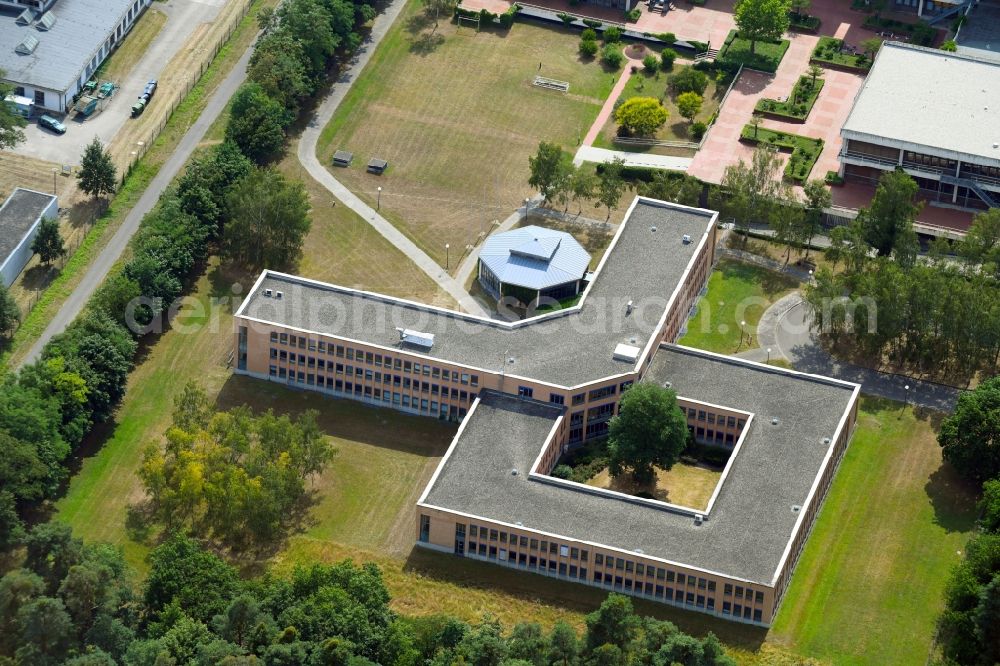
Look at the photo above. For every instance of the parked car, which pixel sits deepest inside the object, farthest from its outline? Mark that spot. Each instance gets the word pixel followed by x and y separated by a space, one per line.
pixel 48 122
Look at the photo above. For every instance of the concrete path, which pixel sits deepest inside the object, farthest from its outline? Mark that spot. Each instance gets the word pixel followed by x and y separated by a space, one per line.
pixel 591 154
pixel 787 329
pixel 99 269
pixel 307 156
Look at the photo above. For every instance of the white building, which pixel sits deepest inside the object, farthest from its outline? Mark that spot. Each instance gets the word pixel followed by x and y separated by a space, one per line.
pixel 50 48
pixel 20 217
pixel 936 116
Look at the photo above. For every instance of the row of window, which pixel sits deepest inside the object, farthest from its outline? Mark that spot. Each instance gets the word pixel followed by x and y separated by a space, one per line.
pixel 616 582
pixel 371 358
pixel 484 536
pixel 405 383
pixel 709 417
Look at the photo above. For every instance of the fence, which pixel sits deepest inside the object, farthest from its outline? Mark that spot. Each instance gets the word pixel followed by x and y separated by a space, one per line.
pixel 131 148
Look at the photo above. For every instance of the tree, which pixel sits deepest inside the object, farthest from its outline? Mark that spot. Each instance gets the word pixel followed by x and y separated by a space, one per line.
pixel 688 79
pixel 641 116
pixel 989 507
pixel 11 122
pixel 611 184
pixel 198 581
pixel 982 242
pixel 589 48
pixel 278 64
pixel 761 20
pixel 651 63
pixel 786 221
pixel 48 242
pixel 689 104
pixel 46 632
pixel 970 436
pixel 747 191
pixel 564 645
pixel 612 56
pixel 582 185
pixel 257 123
pixel 97 173
pixel 11 527
pixel 871 46
pixel 667 57
pixel 755 122
pixel 435 7
pixel 549 169
pixel 818 198
pixel 888 221
pixel 649 430
pixel 815 72
pixel 613 623
pixel 10 314
pixel 268 219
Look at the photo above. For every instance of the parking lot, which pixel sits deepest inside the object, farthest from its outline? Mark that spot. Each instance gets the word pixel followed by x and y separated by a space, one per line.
pixel 183 18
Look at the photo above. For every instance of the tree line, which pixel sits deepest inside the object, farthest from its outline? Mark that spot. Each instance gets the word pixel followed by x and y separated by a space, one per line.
pixel 78 604
pixel 227 199
pixel 939 313
pixel 969 627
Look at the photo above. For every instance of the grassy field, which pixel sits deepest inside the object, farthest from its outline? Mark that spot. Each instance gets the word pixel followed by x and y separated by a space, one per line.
pixel 686 485
pixel 119 64
pixel 736 292
pixel 644 84
pixel 869 585
pixel 455 114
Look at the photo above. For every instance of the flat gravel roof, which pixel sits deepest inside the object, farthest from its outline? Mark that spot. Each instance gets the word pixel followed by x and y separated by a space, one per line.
pixel 566 349
pixel 17 215
pixel 752 520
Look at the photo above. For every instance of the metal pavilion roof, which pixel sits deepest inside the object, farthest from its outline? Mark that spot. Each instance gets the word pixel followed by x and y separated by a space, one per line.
pixel 534 257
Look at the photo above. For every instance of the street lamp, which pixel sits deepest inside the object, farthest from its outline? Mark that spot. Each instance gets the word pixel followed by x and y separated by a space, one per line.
pixel 743 330
pixel 906 395
pixel 769 356
pixel 526 201
pixel 54 172
pixel 378 205
pixel 447 256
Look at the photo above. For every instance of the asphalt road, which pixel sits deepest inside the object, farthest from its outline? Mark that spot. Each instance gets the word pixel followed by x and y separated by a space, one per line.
pixel 99 269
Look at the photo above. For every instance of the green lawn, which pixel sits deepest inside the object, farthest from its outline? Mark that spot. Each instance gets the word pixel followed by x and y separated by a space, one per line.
pixel 456 116
pixel 766 56
pixel 736 292
pixel 869 585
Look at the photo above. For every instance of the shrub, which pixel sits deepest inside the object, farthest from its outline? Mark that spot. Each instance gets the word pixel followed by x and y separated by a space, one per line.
pixel 650 63
pixel 588 48
pixel 633 15
pixel 665 37
pixel 612 56
pixel 698 130
pixel 588 35
pixel 833 178
pixel 949 45
pixel 566 18
pixel 641 116
pixel 563 472
pixel 667 58
pixel 688 80
pixel 507 18
pixel 612 35
pixel 592 23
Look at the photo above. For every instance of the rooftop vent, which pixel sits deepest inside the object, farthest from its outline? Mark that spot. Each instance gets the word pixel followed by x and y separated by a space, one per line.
pixel 631 340
pixel 268 293
pixel 510 360
pixel 698 519
pixel 625 352
pixel 667 384
pixel 796 508
pixel 639 551
pixel 25 17
pixel 774 420
pixel 513 472
pixel 46 22
pixel 27 45
pixel 519 524
pixel 628 308
pixel 416 338
pixel 278 295
pixel 653 228
pixel 826 440
pixel 686 238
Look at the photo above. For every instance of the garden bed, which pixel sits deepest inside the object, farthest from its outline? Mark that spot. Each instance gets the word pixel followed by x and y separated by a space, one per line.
pixel 828 54
pixel 766 57
pixel 799 103
pixel 805 150
pixel 803 23
pixel 921 33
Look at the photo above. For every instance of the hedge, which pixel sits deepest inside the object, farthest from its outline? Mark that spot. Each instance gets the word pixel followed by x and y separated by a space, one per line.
pixel 803 22
pixel 805 150
pixel 827 52
pixel 794 108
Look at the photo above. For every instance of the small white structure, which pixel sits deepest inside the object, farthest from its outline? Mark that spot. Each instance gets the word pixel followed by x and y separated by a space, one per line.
pixel 532 262
pixel 20 217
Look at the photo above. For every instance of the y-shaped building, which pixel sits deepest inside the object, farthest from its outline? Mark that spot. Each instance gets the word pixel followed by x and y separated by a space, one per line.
pixel 526 392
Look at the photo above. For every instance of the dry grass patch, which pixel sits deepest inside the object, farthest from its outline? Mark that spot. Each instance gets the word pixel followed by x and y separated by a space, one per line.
pixel 455 114
pixel 145 30
pixel 683 484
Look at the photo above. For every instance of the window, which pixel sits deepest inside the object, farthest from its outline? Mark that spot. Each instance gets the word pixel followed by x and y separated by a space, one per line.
pixel 557 399
pixel 425 528
pixel 758 597
pixel 39 98
pixel 524 391
pixel 564 551
pixel 574 553
pixel 757 615
pixel 727 590
pixel 603 392
pixel 579 398
pixel 598 559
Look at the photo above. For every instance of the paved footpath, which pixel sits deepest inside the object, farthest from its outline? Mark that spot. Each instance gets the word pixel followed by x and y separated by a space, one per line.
pixel 591 154
pixel 786 327
pixel 98 270
pixel 307 156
